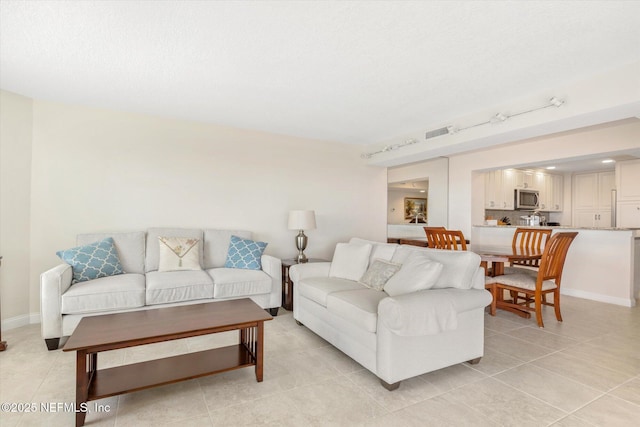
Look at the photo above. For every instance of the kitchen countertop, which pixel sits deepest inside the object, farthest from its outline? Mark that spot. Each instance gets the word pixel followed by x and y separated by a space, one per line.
pixel 556 227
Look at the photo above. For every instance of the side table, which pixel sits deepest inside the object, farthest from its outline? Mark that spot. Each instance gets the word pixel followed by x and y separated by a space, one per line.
pixel 287 284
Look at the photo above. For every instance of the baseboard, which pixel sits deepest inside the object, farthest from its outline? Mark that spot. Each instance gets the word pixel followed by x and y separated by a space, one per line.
pixel 18 321
pixel 598 297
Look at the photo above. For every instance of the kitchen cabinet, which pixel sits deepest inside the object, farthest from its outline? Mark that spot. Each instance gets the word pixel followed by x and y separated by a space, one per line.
pixel 551 191
pixel 508 187
pixel 492 186
pixel 628 186
pixel 628 180
pixel 555 186
pixel 500 186
pixel 592 199
pixel 524 179
pixel 629 214
pixel 498 190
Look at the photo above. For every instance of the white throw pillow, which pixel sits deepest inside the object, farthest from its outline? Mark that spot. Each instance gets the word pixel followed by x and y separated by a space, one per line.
pixel 350 261
pixel 178 253
pixel 378 273
pixel 418 273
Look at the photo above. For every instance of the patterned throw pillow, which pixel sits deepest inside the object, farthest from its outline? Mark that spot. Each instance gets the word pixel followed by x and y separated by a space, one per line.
pixel 245 254
pixel 92 261
pixel 178 253
pixel 378 273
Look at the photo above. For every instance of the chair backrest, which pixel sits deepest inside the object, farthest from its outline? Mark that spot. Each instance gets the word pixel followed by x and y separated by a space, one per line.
pixel 553 257
pixel 530 238
pixel 427 229
pixel 446 239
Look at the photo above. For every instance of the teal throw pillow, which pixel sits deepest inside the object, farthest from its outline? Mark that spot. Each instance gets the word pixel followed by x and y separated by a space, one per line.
pixel 92 261
pixel 245 254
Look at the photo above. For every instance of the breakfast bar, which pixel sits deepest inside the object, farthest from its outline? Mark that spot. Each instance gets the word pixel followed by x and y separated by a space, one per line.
pixel 603 264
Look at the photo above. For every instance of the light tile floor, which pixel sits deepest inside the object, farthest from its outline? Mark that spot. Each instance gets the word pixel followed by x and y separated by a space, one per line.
pixel 582 372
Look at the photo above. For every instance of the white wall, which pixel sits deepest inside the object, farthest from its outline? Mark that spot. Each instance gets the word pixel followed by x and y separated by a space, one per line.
pixel 99 170
pixel 467 186
pixel 15 182
pixel 437 172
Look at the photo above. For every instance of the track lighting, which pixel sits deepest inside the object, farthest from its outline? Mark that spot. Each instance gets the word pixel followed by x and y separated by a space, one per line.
pixel 451 129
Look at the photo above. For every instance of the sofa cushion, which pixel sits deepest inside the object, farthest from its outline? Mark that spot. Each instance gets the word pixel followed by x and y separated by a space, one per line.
pixel 92 261
pixel 152 260
pixel 458 267
pixel 350 260
pixel 216 246
pixel 178 253
pixel 130 247
pixel 104 294
pixel 244 254
pixel 378 273
pixel 358 306
pixel 175 286
pixel 233 282
pixel 379 250
pixel 418 273
pixel 318 288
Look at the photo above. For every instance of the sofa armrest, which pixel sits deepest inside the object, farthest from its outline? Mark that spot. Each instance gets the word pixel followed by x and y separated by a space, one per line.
pixel 298 272
pixel 273 267
pixel 430 311
pixel 478 279
pixel 53 283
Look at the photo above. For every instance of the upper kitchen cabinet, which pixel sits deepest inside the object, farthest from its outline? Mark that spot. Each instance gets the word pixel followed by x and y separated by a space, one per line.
pixel 524 179
pixel 551 191
pixel 592 199
pixel 498 189
pixel 500 186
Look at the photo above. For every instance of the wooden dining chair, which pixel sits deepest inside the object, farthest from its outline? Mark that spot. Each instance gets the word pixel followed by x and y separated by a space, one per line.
pixel 535 284
pixel 446 239
pixel 430 239
pixel 529 238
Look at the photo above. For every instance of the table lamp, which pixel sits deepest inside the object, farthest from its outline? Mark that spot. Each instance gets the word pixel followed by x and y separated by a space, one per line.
pixel 302 220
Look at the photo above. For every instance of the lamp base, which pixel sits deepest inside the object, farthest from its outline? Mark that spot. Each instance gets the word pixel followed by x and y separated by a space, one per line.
pixel 301 244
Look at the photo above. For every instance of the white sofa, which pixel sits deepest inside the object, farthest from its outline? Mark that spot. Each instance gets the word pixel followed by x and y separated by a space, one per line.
pixel 405 335
pixel 142 286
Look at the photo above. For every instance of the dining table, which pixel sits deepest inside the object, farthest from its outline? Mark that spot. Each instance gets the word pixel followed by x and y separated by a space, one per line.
pixel 497 256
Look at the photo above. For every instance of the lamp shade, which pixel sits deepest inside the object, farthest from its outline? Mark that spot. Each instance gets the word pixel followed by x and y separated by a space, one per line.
pixel 302 220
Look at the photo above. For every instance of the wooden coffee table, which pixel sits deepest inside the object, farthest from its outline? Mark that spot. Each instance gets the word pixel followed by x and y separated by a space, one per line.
pixel 113 331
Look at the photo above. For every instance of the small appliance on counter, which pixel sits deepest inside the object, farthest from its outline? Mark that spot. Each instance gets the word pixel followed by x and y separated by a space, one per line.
pixel 533 220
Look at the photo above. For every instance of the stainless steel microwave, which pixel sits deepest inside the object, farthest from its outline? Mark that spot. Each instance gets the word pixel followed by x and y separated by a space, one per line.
pixel 526 199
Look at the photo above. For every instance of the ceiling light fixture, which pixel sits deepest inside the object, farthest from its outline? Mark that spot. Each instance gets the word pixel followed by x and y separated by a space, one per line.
pixel 551 167
pixel 450 130
pixel 608 161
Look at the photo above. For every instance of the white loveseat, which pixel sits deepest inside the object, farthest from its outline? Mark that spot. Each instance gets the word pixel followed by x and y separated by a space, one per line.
pixel 405 335
pixel 142 286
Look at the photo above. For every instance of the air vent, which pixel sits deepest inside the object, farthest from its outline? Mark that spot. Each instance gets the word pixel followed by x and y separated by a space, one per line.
pixel 437 132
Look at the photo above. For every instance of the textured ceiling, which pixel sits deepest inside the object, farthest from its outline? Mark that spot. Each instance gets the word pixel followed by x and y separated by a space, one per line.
pixel 356 72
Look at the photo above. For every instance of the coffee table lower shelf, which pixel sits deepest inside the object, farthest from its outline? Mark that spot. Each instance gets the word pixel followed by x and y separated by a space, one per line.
pixel 139 376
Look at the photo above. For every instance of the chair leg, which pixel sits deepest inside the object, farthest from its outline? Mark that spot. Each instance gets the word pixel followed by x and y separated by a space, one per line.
pixel 494 294
pixel 538 304
pixel 556 305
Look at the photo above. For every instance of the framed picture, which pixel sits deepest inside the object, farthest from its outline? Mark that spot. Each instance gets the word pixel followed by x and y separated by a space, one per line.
pixel 415 208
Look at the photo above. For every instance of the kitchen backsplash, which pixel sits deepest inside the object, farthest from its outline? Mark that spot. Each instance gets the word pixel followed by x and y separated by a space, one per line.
pixel 513 216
